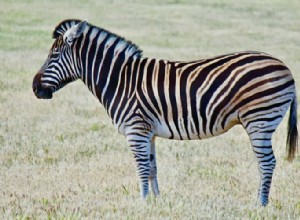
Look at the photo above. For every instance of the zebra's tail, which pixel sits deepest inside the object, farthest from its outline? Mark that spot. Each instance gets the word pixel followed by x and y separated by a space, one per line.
pixel 292 136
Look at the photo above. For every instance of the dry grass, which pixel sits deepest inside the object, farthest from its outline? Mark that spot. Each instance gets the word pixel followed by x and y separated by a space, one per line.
pixel 62 159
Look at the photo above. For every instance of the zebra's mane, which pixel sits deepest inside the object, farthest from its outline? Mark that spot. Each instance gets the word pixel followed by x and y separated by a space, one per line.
pixel 63 26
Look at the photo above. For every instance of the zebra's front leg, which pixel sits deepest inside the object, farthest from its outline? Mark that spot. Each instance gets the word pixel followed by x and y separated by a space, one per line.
pixel 140 144
pixel 153 169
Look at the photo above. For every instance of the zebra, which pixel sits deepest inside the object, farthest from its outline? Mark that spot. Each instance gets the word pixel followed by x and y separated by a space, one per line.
pixel 148 98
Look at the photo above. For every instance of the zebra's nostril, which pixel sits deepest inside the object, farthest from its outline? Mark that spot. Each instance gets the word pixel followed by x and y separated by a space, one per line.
pixel 36 82
pixel 34 89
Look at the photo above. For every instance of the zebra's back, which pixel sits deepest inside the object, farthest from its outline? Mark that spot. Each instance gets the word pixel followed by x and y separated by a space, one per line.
pixel 200 99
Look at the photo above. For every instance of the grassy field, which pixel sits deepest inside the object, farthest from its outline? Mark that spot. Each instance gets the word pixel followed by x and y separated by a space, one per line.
pixel 62 159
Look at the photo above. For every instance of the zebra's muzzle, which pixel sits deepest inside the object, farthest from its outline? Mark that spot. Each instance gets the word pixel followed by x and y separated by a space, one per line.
pixel 45 93
pixel 40 91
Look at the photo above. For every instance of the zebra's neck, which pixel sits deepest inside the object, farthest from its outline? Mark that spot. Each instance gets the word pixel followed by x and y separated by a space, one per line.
pixel 103 57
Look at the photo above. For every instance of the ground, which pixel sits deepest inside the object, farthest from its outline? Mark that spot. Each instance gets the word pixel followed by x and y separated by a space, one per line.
pixel 62 158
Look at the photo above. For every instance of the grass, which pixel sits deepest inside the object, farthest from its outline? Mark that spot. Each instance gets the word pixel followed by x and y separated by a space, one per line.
pixel 62 159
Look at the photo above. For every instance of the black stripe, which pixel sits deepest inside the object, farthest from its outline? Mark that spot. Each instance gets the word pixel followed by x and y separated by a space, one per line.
pixel 261 154
pixel 161 93
pixel 119 89
pixel 263 119
pixel 99 57
pixel 122 103
pixel 172 94
pixel 150 72
pixel 113 82
pixel 261 139
pixel 135 75
pixel 262 147
pixel 183 99
pixel 266 108
pixel 91 53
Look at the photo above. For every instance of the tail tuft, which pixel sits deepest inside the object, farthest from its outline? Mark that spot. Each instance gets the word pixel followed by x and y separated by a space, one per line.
pixel 292 136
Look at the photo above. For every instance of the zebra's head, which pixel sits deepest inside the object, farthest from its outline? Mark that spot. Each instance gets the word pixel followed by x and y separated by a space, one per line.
pixel 60 67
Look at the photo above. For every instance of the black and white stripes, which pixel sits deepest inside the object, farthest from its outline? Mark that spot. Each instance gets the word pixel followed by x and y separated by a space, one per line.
pixel 178 100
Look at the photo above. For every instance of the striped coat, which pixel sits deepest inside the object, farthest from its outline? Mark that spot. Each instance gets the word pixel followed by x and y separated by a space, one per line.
pixel 205 98
pixel 148 97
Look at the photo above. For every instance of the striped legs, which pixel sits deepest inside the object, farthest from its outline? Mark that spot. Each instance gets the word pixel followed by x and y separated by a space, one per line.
pixel 141 142
pixel 153 169
pixel 262 147
pixel 266 165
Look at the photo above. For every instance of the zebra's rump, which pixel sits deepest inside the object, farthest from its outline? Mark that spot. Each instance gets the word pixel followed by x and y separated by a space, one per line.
pixel 205 98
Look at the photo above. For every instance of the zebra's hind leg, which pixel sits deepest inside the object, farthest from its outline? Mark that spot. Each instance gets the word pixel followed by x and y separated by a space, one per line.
pixel 262 148
pixel 153 169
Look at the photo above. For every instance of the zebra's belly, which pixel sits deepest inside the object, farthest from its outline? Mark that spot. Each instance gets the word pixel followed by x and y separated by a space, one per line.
pixel 187 130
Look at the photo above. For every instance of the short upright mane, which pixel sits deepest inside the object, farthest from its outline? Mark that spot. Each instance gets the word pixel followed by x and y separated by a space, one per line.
pixel 63 26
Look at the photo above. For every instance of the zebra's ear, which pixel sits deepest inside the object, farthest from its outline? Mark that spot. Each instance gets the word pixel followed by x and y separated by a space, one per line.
pixel 74 32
